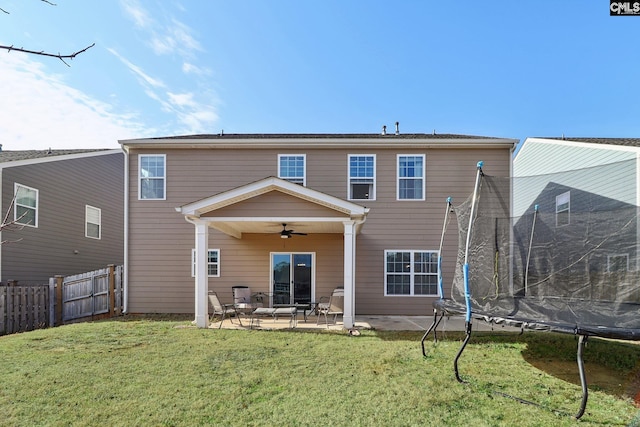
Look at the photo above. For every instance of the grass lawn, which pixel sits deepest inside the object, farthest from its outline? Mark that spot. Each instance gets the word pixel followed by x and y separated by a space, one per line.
pixel 160 371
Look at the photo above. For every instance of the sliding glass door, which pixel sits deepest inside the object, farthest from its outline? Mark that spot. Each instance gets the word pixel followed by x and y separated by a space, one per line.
pixel 292 277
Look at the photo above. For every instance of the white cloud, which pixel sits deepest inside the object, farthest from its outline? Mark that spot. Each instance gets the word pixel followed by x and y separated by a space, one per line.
pixel 40 111
pixel 136 13
pixel 181 99
pixel 189 68
pixel 138 71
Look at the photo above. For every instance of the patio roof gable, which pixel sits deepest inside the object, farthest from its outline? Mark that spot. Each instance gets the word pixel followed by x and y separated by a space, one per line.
pixel 201 207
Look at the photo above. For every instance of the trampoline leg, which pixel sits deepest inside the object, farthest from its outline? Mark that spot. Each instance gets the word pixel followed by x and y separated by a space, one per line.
pixel 464 344
pixel 583 379
pixel 433 328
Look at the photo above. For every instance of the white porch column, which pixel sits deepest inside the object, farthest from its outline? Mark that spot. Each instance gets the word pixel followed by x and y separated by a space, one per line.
pixel 349 274
pixel 201 281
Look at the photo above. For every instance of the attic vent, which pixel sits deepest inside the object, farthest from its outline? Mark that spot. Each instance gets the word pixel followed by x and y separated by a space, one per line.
pixel 397 128
pixel 384 130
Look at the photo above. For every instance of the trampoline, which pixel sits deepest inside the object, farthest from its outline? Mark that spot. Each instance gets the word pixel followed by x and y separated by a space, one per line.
pixel 552 252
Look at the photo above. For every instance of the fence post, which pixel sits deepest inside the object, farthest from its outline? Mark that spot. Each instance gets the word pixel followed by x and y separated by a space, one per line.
pixel 59 302
pixel 112 289
pixel 52 302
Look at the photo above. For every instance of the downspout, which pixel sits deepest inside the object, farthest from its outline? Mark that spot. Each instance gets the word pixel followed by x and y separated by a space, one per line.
pixel 125 279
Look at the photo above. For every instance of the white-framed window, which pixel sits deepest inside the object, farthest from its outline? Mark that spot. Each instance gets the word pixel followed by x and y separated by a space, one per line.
pixel 362 177
pixel 213 263
pixel 152 174
pixel 563 209
pixel 26 205
pixel 618 263
pixel 411 177
pixel 410 273
pixel 93 222
pixel 293 167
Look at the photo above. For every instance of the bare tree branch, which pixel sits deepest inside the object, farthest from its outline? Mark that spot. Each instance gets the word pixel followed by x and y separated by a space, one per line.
pixel 43 53
pixel 14 225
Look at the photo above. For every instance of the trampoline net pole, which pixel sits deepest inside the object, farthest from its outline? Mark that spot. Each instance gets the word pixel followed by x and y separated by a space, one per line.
pixel 465 271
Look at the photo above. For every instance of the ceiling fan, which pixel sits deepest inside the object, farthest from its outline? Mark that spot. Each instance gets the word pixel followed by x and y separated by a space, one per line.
pixel 286 234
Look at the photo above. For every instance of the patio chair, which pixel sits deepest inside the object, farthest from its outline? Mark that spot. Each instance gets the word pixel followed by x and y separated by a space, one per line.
pixel 241 294
pixel 242 301
pixel 224 310
pixel 334 307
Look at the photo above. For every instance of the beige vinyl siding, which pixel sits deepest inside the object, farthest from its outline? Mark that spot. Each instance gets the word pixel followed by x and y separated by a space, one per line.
pixel 274 204
pixel 161 240
pixel 65 188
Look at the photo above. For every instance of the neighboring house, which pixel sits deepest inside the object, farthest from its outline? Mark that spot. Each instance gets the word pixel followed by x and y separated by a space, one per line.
pixel 587 191
pixel 545 156
pixel 207 212
pixel 68 210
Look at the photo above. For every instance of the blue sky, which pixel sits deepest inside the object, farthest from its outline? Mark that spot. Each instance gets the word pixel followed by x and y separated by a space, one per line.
pixel 495 68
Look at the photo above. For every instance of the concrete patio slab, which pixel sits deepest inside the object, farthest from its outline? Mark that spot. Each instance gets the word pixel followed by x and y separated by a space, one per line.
pixel 371 322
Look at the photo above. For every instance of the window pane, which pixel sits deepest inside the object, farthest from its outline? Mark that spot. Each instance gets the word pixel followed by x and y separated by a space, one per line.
pixel 361 191
pixel 152 188
pixel 410 166
pixel 26 197
pixel 398 284
pixel 25 215
pixel 152 166
pixel 93 230
pixel 410 189
pixel 291 167
pixel 425 284
pixel 398 262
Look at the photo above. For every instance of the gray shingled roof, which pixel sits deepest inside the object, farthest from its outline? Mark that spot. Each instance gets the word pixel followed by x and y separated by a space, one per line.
pixel 628 142
pixel 15 155
pixel 390 134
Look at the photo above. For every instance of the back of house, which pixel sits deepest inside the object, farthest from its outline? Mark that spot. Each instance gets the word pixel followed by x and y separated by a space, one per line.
pixel 297 215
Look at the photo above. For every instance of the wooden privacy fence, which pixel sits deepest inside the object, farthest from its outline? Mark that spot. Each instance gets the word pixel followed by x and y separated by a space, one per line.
pixel 96 293
pixel 24 308
pixel 65 299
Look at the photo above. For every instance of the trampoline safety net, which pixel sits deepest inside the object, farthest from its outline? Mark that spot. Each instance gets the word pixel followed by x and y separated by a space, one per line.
pixel 556 252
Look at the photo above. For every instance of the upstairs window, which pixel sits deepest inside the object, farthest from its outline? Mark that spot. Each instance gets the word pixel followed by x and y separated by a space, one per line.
pixel 411 177
pixel 26 205
pixel 563 209
pixel 93 222
pixel 152 177
pixel 292 167
pixel 362 177
pixel 411 273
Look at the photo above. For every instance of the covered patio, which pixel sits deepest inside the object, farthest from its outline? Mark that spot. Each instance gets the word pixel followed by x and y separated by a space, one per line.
pixel 263 207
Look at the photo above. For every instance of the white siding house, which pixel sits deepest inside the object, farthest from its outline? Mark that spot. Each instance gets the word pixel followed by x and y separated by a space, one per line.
pixel 544 156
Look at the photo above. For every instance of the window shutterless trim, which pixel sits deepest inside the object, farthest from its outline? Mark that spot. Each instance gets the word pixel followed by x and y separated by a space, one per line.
pixel 411 273
pixel 294 179
pixel 423 177
pixel 350 179
pixel 88 221
pixel 16 217
pixel 216 263
pixel 163 177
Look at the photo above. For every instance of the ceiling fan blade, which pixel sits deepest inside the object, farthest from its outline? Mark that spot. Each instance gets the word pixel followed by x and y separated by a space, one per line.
pixel 298 234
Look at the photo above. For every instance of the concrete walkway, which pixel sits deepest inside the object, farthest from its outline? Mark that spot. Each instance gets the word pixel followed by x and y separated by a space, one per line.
pixel 422 323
